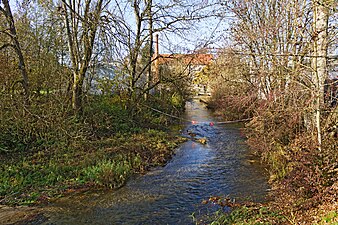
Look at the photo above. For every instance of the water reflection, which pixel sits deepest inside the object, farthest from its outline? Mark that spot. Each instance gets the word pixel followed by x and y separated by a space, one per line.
pixel 168 195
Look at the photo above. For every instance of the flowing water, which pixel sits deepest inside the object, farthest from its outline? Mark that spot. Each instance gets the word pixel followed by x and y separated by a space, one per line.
pixel 170 194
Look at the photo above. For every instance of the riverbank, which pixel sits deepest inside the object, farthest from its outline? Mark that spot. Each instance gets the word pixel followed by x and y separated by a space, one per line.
pixel 34 178
pixel 101 164
pixel 303 178
pixel 170 194
pixel 19 215
pixel 58 154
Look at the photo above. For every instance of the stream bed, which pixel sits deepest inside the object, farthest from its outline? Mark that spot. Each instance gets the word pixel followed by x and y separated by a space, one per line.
pixel 171 194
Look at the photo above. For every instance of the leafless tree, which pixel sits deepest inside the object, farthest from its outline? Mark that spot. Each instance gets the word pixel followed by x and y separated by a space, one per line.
pixel 10 31
pixel 82 19
pixel 321 11
pixel 285 44
pixel 132 33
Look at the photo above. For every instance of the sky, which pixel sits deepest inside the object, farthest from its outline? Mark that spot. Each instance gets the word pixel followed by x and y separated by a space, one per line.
pixel 208 32
pixel 212 32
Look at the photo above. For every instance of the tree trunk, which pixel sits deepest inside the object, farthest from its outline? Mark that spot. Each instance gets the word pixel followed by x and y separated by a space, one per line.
pixel 77 92
pixel 16 44
pixel 80 45
pixel 150 17
pixel 319 74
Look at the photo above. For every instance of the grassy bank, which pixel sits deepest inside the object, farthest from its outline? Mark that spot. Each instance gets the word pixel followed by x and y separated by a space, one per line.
pixel 27 179
pixel 59 153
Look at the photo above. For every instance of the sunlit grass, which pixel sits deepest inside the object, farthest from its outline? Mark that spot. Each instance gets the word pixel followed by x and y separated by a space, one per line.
pixel 245 215
pixel 106 163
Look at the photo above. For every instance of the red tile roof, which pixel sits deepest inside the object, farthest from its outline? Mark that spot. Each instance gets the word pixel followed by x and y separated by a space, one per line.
pixel 193 59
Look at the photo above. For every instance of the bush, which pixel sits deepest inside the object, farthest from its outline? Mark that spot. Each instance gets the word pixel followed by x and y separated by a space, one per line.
pixel 107 116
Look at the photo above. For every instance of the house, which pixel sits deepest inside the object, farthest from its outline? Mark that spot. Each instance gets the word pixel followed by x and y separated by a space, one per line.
pixel 192 64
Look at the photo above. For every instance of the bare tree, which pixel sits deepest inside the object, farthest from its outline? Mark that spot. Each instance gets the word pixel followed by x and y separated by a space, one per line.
pixel 274 37
pixel 82 19
pixel 12 33
pixel 132 35
pixel 319 62
pixel 285 42
pixel 150 22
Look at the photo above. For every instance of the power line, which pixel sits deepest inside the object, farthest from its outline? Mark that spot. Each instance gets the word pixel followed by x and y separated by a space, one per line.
pixel 194 121
pixel 278 54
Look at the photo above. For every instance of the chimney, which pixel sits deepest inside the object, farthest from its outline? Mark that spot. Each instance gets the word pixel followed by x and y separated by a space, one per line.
pixel 156 62
pixel 156 46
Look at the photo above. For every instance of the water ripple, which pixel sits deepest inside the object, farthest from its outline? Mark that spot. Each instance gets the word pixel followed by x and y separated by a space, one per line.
pixel 168 195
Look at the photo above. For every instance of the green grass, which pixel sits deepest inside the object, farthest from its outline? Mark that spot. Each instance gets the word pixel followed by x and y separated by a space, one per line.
pixel 111 173
pixel 48 151
pixel 245 215
pixel 107 163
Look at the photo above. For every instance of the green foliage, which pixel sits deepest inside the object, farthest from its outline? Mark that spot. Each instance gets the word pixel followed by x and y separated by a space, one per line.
pixel 175 80
pixel 22 182
pixel 45 148
pixel 177 100
pixel 107 116
pixel 111 173
pixel 44 155
pixel 248 215
pixel 330 218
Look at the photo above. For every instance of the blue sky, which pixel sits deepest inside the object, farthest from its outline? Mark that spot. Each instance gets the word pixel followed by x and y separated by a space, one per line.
pixel 208 32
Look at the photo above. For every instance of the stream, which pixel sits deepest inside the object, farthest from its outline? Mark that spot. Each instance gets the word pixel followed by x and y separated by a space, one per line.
pixel 170 194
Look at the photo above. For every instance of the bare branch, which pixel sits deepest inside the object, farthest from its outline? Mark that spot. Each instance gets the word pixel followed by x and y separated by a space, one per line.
pixel 2 10
pixel 4 46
